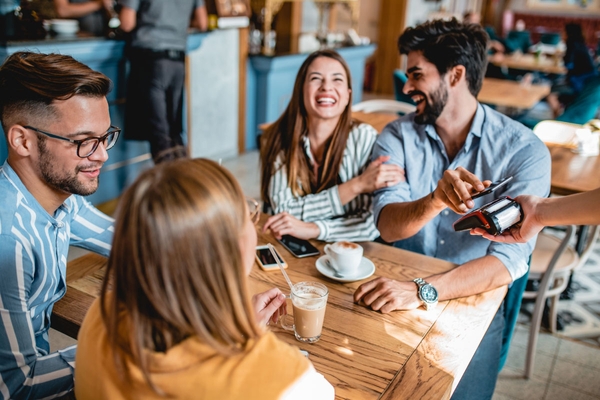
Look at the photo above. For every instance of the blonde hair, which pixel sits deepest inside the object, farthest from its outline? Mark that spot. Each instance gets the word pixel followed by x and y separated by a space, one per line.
pixel 175 270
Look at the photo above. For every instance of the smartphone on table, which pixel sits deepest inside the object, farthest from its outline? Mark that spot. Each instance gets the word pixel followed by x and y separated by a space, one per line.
pixel 265 259
pixel 298 247
pixel 492 188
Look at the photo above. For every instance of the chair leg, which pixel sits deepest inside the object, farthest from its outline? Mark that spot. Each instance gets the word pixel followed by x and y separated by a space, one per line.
pixel 553 314
pixel 534 330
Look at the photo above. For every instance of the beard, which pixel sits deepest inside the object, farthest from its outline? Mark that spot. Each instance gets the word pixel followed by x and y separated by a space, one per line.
pixel 433 109
pixel 63 180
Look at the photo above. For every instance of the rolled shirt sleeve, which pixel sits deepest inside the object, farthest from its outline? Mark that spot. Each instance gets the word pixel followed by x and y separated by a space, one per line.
pixel 495 148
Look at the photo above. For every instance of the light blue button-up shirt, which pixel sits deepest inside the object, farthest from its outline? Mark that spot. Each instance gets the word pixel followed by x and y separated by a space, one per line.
pixel 496 147
pixel 33 266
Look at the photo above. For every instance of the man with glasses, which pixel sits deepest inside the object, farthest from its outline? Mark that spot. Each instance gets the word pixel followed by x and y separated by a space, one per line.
pixel 56 123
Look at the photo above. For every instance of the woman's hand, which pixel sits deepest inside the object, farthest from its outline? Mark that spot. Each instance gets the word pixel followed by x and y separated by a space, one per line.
pixel 285 224
pixel 269 306
pixel 379 175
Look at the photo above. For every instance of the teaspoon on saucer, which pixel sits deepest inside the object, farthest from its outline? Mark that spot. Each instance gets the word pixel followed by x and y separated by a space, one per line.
pixel 335 273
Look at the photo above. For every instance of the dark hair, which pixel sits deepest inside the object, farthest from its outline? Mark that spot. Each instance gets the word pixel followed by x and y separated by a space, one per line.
pixel 574 33
pixel 285 136
pixel 447 44
pixel 30 82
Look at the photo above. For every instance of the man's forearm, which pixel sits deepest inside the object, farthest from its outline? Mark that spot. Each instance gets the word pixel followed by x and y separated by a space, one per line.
pixel 399 221
pixel 474 277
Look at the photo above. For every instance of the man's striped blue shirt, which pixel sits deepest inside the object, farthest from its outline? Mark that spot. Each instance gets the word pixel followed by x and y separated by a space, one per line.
pixel 33 261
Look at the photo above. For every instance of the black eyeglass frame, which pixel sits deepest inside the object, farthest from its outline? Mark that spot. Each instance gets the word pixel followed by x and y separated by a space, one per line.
pixel 113 130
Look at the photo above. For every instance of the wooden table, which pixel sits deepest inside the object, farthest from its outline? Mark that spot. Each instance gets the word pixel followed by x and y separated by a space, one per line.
pixel 364 354
pixel 501 92
pixel 572 173
pixel 530 62
pixel 377 120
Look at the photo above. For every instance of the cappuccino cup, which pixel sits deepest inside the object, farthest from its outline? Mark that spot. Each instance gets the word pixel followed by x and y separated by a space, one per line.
pixel 345 257
pixel 309 300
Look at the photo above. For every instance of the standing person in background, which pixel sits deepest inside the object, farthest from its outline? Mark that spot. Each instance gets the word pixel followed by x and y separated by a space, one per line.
pixel 175 319
pixel 8 18
pixel 315 170
pixel 92 14
pixel 156 53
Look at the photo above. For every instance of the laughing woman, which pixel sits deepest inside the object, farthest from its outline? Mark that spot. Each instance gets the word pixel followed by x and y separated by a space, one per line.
pixel 315 171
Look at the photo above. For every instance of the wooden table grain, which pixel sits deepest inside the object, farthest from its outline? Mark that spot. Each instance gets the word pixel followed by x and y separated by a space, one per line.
pixel 501 92
pixel 413 354
pixel 529 62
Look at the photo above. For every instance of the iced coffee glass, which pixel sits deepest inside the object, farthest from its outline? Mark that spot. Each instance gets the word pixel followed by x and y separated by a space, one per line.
pixel 309 300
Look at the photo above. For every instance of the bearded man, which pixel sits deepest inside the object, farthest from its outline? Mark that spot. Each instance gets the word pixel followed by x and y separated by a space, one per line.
pixel 450 148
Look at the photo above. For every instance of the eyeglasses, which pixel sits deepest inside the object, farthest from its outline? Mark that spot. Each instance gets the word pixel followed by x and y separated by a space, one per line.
pixel 254 210
pixel 87 146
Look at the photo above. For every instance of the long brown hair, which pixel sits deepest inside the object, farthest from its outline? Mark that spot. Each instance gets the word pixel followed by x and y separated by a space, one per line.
pixel 175 270
pixel 284 137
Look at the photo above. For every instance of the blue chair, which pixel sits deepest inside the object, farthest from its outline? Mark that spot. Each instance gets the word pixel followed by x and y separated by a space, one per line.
pixel 551 38
pixel 518 40
pixel 400 79
pixel 585 106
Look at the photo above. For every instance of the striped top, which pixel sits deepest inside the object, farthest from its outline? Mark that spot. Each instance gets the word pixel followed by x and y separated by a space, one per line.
pixel 353 221
pixel 33 261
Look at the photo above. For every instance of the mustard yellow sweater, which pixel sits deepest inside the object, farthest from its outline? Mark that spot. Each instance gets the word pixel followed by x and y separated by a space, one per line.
pixel 190 370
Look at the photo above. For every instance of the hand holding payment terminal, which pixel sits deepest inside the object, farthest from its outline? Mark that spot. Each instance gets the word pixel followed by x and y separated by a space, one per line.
pixel 494 217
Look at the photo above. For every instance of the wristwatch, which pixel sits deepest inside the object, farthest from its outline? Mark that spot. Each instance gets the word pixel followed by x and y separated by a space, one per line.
pixel 427 293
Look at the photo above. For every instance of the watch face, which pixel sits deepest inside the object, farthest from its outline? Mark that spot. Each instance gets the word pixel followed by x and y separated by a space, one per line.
pixel 429 293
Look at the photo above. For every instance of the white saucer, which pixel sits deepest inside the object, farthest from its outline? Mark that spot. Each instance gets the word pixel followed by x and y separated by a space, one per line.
pixel 365 270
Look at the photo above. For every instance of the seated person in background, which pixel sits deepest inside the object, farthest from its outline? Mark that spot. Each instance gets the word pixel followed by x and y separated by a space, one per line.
pixel 315 170
pixel 518 40
pixel 41 208
pixel 445 147
pixel 578 209
pixel 580 67
pixel 92 14
pixel 495 43
pixel 175 318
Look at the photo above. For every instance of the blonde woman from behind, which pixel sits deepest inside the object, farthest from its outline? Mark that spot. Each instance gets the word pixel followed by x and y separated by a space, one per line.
pixel 175 318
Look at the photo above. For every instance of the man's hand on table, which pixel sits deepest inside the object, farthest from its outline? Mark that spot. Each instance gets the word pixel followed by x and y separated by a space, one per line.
pixel 387 295
pixel 455 189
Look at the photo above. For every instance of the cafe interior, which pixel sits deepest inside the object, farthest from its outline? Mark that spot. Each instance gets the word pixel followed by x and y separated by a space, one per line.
pixel 239 79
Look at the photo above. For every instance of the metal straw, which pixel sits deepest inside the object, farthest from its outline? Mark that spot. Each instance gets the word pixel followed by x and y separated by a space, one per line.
pixel 285 275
